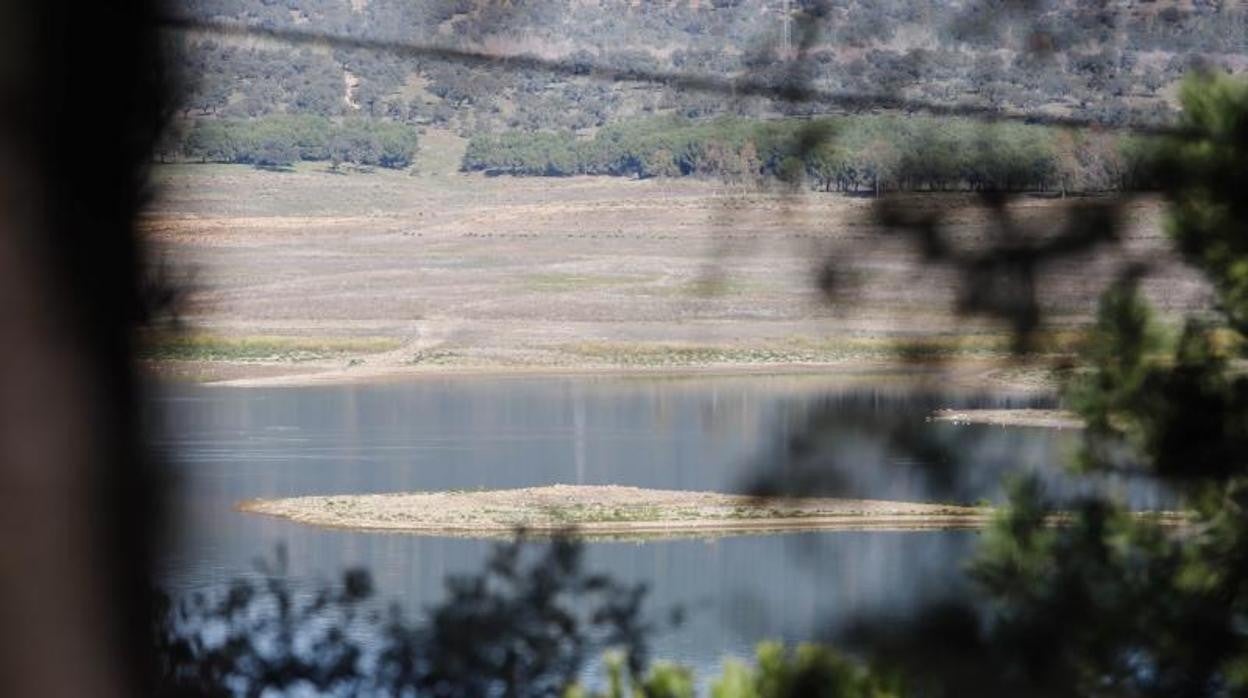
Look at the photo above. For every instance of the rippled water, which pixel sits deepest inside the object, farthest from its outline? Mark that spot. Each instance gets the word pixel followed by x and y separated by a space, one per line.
pixel 718 434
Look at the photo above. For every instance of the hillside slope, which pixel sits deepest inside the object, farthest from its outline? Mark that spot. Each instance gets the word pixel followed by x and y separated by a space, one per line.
pixel 1112 62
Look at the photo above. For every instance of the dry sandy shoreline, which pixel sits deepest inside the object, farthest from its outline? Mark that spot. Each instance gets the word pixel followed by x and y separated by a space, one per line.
pixel 1044 419
pixel 963 373
pixel 609 510
pixel 257 377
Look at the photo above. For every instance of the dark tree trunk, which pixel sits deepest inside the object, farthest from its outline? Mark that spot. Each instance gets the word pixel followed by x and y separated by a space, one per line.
pixel 76 487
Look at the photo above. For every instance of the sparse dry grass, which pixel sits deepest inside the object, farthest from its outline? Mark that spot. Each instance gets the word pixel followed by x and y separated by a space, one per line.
pixel 609 509
pixel 210 347
pixel 479 273
pixel 799 349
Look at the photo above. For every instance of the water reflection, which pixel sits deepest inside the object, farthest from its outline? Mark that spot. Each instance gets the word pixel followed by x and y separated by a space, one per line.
pixel 874 444
pixel 707 434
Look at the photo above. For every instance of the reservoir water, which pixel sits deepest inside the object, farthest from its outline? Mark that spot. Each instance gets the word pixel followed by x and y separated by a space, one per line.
pixel 868 437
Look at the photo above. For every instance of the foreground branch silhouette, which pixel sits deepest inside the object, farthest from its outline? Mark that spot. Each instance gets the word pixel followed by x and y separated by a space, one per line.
pixel 526 625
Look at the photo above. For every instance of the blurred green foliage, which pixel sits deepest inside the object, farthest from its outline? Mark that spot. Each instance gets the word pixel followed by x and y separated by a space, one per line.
pixel 1113 604
pixel 1206 179
pixel 808 670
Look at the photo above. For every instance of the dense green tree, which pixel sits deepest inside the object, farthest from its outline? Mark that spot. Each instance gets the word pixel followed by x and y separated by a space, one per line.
pixel 1108 603
pixel 875 153
pixel 282 140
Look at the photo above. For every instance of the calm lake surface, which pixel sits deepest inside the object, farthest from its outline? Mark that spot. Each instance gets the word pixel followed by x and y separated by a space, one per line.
pixel 721 434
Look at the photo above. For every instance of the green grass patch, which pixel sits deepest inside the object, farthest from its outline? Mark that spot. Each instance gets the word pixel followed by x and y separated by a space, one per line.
pixel 683 355
pixel 710 288
pixel 433 358
pixel 211 347
pixel 600 513
pixel 440 153
pixel 795 350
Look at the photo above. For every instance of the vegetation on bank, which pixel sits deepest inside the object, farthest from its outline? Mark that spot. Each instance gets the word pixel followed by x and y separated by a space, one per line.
pixel 282 140
pixel 859 153
pixel 211 347
pixel 814 350
pixel 843 153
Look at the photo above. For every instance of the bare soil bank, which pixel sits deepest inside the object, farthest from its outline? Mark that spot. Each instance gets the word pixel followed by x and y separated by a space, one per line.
pixel 443 271
pixel 608 510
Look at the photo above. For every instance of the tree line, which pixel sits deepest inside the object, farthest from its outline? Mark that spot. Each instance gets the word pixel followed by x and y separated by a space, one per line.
pixel 281 140
pixel 879 152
